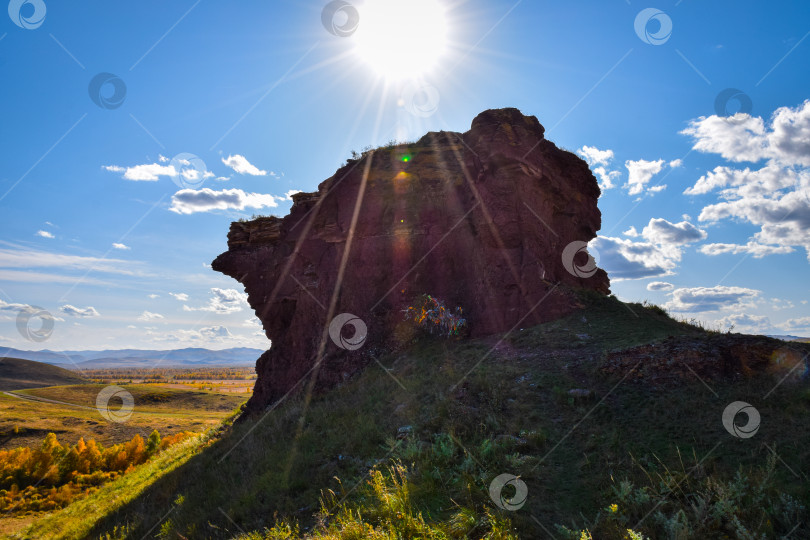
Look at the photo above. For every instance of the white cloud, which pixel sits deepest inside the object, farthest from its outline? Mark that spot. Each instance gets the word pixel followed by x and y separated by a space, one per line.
pixel 774 197
pixel 183 297
pixel 215 332
pixel 606 177
pixel 149 172
pixel 675 163
pixel 16 257
pixel 745 323
pixel 113 168
pixel 701 299
pixel 746 182
pixel 594 156
pixel 779 304
pixel 163 159
pixel 4 306
pixel 242 166
pixel 290 193
pixel 786 139
pixel 189 201
pixel 153 296
pixel 626 259
pixel 208 334
pixel 45 234
pixel 122 247
pixel 224 301
pixel 148 316
pixel 599 160
pixel 73 311
pixel 799 324
pixel 29 276
pixel 660 286
pixel 657 256
pixel 661 231
pixel 640 173
pixel 753 248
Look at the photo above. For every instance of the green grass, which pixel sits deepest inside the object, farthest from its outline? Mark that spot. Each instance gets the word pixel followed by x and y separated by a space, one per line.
pixel 25 423
pixel 148 398
pixel 476 409
pixel 72 522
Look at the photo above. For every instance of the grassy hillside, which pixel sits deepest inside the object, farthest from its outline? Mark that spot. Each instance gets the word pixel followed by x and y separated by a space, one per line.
pixel 26 416
pixel 410 447
pixel 16 374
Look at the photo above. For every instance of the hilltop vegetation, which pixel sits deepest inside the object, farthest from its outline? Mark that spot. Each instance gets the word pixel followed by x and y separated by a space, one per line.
pixel 16 373
pixel 53 475
pixel 409 448
pixel 27 416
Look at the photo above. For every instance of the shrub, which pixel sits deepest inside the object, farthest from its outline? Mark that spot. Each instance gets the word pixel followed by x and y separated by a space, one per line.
pixel 430 314
pixel 690 504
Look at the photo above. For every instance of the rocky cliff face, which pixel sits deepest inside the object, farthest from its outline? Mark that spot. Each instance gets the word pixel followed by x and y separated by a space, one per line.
pixel 491 220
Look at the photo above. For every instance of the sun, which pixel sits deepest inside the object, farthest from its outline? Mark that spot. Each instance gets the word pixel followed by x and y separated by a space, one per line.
pixel 401 39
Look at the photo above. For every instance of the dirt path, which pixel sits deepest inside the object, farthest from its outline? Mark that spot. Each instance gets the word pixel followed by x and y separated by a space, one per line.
pixel 46 400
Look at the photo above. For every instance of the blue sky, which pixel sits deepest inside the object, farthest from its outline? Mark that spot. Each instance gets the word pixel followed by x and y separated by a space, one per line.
pixel 704 211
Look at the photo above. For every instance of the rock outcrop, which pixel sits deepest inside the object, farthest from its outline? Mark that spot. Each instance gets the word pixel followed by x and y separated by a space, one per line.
pixel 492 220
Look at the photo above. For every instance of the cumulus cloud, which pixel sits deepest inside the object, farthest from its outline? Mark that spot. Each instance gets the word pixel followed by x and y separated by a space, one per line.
pixel 640 173
pixel 183 297
pixel 755 249
pixel 241 165
pixel 702 299
pixel 658 255
pixel 148 172
pixel 45 234
pixel 73 311
pixel 5 306
pixel 190 201
pixel 785 139
pixel 215 332
pixel 148 316
pixel 801 324
pixel 743 322
pixel 599 160
pixel 151 172
pixel 153 296
pixel 122 247
pixel 606 177
pixel 290 193
pixel 626 259
pixel 661 231
pixel 209 334
pixel 594 156
pixel 746 182
pixel 660 286
pixel 776 196
pixel 779 304
pixel 223 301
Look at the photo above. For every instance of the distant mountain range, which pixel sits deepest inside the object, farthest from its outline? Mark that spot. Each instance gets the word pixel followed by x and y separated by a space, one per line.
pixel 240 356
pixel 791 338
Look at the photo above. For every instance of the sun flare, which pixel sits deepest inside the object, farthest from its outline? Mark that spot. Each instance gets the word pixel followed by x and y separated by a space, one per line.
pixel 402 38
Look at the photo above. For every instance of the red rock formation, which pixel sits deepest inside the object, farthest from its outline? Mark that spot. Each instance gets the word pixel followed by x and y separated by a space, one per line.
pixel 480 220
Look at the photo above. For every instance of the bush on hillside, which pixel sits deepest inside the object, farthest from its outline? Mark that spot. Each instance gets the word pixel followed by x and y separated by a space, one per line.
pixel 430 314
